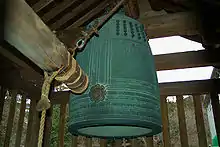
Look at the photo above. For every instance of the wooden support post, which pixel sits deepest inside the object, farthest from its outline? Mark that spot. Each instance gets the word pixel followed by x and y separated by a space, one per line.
pixel 150 142
pixel 103 143
pixel 199 121
pixel 48 126
pixel 30 134
pixel 20 121
pixel 74 141
pixel 182 122
pixel 216 112
pixel 62 125
pixel 88 142
pixel 10 119
pixel 165 121
pixel 2 101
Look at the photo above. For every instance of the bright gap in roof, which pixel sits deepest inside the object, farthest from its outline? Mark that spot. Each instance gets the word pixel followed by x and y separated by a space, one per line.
pixel 176 44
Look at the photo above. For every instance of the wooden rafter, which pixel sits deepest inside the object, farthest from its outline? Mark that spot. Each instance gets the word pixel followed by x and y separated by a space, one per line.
pixel 68 16
pixel 65 4
pixel 89 15
pixel 41 4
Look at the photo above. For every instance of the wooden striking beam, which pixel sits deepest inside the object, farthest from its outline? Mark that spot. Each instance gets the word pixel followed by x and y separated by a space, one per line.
pixel 199 121
pixel 41 4
pixel 189 87
pixel 182 122
pixel 10 119
pixel 58 9
pixel 187 59
pixel 68 16
pixel 20 122
pixel 165 121
pixel 90 14
pixel 182 23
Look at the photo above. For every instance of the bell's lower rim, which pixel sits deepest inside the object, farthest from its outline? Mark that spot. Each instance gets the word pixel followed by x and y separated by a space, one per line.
pixel 150 128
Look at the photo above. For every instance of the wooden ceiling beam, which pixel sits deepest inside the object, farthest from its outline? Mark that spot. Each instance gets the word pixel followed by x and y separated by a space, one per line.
pixel 58 9
pixel 67 17
pixel 89 15
pixel 187 59
pixel 182 23
pixel 132 9
pixel 189 87
pixel 40 5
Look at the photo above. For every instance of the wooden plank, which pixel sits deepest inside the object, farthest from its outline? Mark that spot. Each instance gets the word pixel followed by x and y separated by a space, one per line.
pixel 62 125
pixel 216 112
pixel 199 121
pixel 58 9
pixel 88 142
pixel 189 87
pixel 182 122
pixel 10 119
pixel 90 14
pixel 48 127
pixel 28 141
pixel 150 142
pixel 2 101
pixel 41 5
pixel 187 60
pixel 165 121
pixel 181 23
pixel 103 143
pixel 68 16
pixel 74 141
pixel 20 121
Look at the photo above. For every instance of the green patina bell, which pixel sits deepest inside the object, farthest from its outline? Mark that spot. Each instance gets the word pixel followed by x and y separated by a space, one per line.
pixel 122 100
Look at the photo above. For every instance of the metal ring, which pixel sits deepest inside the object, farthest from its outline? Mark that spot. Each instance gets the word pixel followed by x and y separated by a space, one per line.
pixel 80 43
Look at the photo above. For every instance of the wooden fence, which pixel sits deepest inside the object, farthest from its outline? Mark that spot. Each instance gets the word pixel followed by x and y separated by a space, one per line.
pixel 34 120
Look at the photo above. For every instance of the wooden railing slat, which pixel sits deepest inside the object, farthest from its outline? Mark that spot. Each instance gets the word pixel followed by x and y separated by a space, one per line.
pixel 36 126
pixel 216 112
pixel 182 122
pixel 89 142
pixel 74 141
pixel 48 126
pixel 103 142
pixel 2 101
pixel 10 119
pixel 62 125
pixel 117 143
pixel 29 134
pixel 20 122
pixel 165 121
pixel 134 143
pixel 199 121
pixel 150 142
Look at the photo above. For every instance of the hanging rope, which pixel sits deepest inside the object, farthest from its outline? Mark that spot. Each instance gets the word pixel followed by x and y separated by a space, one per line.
pixel 44 102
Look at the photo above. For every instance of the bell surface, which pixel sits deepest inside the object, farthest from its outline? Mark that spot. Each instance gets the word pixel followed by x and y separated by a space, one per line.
pixel 122 100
